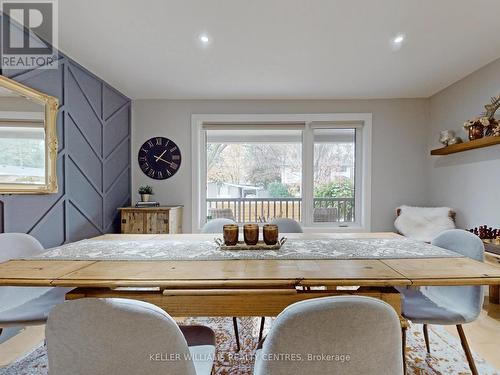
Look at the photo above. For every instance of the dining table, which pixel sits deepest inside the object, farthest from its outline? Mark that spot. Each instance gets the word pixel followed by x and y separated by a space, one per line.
pixel 190 275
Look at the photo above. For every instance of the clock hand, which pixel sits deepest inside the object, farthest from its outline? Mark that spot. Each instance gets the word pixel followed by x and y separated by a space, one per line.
pixel 168 162
pixel 159 157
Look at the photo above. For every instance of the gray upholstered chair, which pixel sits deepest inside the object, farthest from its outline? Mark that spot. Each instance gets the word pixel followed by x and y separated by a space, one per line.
pixel 448 305
pixel 364 332
pixel 122 336
pixel 22 306
pixel 221 213
pixel 216 225
pixel 286 225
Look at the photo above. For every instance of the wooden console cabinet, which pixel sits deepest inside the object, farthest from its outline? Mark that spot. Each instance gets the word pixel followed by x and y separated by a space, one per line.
pixel 151 220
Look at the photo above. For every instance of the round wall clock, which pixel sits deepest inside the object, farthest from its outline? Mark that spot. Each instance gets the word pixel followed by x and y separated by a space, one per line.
pixel 159 158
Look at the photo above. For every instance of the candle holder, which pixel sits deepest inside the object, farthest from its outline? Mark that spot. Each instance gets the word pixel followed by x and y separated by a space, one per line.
pixel 476 131
pixel 230 234
pixel 270 234
pixel 251 234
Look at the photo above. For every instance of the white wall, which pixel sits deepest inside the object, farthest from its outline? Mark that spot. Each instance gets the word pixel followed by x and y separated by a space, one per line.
pixel 468 181
pixel 399 145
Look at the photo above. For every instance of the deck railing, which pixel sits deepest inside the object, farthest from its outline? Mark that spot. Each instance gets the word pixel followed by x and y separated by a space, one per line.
pixel 245 210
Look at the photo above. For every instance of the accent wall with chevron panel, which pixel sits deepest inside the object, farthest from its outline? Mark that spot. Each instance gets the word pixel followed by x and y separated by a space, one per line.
pixel 93 160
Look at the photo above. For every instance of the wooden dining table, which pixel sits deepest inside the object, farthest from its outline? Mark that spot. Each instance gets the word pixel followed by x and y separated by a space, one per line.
pixel 243 287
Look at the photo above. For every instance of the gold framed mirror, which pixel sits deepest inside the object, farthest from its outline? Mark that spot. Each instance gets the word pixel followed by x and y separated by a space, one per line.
pixel 28 139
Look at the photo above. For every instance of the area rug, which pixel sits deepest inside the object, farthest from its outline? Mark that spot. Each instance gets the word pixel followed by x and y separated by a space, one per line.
pixel 446 358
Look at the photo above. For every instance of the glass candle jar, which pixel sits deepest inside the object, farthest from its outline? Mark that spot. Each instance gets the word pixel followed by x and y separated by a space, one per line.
pixel 251 234
pixel 270 234
pixel 230 234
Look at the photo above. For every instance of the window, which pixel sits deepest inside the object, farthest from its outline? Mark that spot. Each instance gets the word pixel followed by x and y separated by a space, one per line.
pixel 334 179
pixel 315 170
pixel 254 175
pixel 23 161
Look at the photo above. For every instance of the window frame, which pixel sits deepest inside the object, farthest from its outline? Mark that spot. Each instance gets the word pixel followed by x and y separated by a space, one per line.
pixel 362 122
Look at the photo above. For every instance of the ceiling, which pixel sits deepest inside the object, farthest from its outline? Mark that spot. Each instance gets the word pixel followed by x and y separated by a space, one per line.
pixel 280 49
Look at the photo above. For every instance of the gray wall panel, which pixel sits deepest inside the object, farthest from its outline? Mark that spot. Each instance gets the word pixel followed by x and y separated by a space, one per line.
pixel 116 164
pixel 83 207
pixel 83 114
pixel 118 195
pixel 83 194
pixel 113 101
pixel 114 131
pixel 82 154
pixel 91 87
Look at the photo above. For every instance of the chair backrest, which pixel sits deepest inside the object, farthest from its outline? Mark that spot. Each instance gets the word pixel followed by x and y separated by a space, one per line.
pixel 216 225
pixel 325 214
pixel 334 335
pixel 286 225
pixel 12 246
pixel 423 223
pixel 115 337
pixel 221 213
pixel 462 242
pixel 18 245
pixel 466 300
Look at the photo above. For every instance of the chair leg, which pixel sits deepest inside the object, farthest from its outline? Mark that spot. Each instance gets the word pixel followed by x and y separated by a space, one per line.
pixel 467 351
pixel 426 337
pixel 403 332
pixel 236 333
pixel 261 330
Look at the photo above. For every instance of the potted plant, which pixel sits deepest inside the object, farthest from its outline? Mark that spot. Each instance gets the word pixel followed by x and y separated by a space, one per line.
pixel 145 192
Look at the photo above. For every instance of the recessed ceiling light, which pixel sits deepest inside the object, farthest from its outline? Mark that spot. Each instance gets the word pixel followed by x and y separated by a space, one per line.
pixel 398 40
pixel 204 39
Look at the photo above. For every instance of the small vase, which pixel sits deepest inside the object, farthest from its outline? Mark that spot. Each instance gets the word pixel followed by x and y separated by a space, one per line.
pixel 476 131
pixel 145 197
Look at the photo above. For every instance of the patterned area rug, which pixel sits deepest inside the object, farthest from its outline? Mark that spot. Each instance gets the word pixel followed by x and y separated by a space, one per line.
pixel 447 356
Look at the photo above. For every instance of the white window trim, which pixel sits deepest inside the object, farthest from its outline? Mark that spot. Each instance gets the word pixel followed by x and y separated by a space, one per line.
pixel 362 121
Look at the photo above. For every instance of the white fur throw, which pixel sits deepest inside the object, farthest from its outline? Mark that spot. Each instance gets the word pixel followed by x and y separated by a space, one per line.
pixel 423 223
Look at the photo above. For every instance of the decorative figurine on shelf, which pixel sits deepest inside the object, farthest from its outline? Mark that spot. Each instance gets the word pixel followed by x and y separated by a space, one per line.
pixel 486 125
pixel 448 138
pixel 445 136
pixel 145 192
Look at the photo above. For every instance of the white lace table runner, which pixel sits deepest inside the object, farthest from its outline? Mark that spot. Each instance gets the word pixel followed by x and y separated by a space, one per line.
pixel 208 250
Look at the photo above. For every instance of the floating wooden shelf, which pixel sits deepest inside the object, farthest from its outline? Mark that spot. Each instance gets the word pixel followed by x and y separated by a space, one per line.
pixel 471 145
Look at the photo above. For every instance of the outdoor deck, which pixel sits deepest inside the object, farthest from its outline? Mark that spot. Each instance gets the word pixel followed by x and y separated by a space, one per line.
pixel 244 210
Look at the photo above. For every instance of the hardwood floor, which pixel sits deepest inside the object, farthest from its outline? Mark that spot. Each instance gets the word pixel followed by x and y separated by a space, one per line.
pixel 483 336
pixel 22 343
